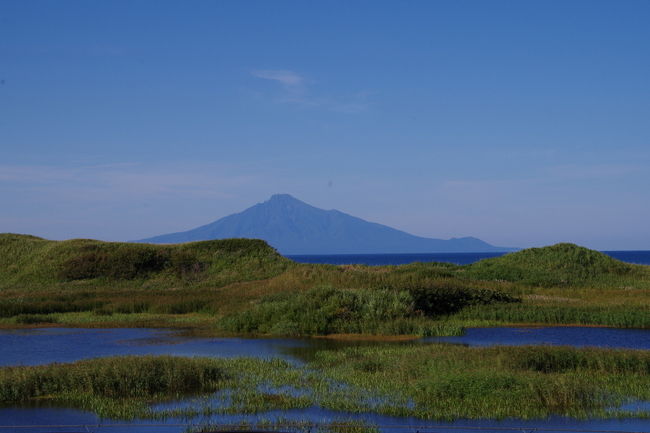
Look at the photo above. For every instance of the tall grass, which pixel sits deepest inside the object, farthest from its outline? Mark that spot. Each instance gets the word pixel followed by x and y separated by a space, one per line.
pixel 616 316
pixel 118 386
pixel 124 387
pixel 451 382
pixel 116 377
pixel 328 310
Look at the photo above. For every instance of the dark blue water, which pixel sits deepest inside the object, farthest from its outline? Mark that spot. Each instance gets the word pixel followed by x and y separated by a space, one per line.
pixel 553 335
pixel 40 346
pixel 80 421
pixel 637 257
pixel 47 345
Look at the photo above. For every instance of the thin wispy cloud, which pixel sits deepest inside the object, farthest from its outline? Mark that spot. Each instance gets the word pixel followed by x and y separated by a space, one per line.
pixel 284 77
pixel 295 90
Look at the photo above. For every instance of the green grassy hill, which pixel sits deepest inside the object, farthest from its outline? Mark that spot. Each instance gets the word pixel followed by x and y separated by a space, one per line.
pixel 557 265
pixel 30 262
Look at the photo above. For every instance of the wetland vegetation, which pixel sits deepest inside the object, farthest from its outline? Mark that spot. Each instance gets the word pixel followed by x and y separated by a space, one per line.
pixel 243 286
pixel 434 381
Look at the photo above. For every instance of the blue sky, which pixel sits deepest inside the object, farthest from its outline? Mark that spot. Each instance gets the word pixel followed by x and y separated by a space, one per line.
pixel 521 123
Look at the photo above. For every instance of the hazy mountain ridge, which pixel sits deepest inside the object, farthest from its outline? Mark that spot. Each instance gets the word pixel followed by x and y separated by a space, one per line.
pixel 294 227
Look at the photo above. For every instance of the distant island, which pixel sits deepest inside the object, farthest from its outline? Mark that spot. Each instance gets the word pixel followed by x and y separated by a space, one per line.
pixel 294 227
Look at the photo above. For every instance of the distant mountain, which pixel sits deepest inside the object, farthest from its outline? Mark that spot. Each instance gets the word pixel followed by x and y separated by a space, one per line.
pixel 294 227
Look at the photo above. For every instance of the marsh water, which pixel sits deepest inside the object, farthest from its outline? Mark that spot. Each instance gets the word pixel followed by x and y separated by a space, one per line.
pixel 553 335
pixel 42 346
pixel 47 345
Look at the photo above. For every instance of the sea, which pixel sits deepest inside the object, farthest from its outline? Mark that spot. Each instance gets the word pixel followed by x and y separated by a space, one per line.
pixel 637 257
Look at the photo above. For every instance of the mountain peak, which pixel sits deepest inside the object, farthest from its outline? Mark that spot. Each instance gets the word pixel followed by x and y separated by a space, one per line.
pixel 284 198
pixel 295 227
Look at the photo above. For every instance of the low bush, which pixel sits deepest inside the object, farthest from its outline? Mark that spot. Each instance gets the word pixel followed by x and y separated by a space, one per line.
pixel 446 299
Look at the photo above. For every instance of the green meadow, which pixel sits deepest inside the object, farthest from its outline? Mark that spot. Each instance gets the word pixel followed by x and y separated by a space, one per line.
pixel 243 286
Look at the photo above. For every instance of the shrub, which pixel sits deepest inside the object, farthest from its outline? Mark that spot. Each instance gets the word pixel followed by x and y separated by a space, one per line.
pixel 443 300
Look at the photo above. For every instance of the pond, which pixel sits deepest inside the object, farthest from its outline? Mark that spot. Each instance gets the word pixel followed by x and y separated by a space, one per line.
pixel 41 346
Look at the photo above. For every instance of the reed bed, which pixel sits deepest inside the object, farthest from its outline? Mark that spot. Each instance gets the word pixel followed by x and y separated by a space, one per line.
pixel 436 381
pixel 451 382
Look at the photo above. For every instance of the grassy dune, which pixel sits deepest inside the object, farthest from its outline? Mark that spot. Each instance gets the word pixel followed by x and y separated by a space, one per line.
pixel 557 265
pixel 244 286
pixel 31 263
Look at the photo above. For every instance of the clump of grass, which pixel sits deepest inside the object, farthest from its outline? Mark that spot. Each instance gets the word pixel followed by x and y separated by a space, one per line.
pixel 118 386
pixel 382 311
pixel 124 387
pixel 114 377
